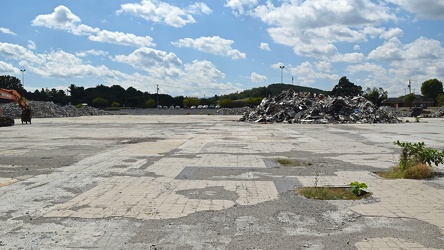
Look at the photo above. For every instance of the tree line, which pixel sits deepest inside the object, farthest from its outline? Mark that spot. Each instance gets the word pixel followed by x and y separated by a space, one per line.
pixel 116 96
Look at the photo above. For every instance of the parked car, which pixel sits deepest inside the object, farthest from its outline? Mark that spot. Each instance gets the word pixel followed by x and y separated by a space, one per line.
pixel 423 106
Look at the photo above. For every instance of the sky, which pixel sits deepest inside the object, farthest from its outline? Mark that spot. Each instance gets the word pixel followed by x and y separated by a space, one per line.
pixel 206 48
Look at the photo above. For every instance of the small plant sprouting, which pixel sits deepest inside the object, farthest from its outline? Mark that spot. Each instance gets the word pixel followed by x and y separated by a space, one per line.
pixel 357 188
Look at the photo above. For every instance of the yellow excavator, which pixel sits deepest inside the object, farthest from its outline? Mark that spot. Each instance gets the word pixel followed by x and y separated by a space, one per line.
pixel 13 95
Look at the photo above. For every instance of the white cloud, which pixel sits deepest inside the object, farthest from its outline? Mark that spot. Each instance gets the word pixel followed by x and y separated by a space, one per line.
pixel 31 45
pixel 389 51
pixel 237 6
pixel 394 63
pixel 348 57
pixel 92 52
pixel 264 46
pixel 7 31
pixel 213 45
pixel 356 47
pixel 202 71
pixel 158 11
pixel 62 18
pixel 121 38
pixel 313 27
pixel 307 73
pixel 6 68
pixel 52 64
pixel 257 78
pixel 426 9
pixel 156 62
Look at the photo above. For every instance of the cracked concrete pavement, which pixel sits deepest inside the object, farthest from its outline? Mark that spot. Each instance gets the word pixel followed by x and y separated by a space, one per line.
pixel 210 182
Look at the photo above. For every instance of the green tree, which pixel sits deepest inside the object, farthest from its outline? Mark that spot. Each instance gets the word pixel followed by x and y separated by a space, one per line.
pixel 409 99
pixel 150 103
pixel 12 82
pixel 254 101
pixel 100 102
pixel 432 88
pixel 226 103
pixel 346 88
pixel 440 100
pixel 375 95
pixel 115 105
pixel 190 101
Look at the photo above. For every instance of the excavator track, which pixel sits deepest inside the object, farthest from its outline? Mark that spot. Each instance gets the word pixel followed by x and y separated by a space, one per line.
pixel 5 121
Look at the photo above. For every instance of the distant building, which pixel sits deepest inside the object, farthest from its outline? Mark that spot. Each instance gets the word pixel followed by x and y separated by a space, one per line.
pixel 399 101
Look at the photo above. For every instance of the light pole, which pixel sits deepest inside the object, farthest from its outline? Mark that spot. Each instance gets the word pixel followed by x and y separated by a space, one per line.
pixel 157 96
pixel 23 80
pixel 282 72
pixel 23 77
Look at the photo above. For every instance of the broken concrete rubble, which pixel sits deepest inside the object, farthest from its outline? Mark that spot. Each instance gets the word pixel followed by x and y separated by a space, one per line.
pixel 304 107
pixel 440 112
pixel 49 110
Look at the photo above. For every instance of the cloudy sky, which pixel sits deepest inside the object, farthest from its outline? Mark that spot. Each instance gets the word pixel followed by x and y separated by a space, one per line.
pixel 194 48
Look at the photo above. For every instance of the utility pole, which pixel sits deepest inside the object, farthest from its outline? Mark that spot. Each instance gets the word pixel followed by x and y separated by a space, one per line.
pixel 292 80
pixel 410 86
pixel 157 95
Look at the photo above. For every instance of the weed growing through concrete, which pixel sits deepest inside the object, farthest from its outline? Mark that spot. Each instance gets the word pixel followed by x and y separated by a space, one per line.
pixel 331 193
pixel 415 161
pixel 292 163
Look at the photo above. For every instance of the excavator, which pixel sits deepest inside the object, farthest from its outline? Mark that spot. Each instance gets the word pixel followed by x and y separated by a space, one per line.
pixel 13 95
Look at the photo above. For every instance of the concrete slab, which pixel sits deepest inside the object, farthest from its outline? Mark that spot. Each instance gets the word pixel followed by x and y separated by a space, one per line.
pixel 210 182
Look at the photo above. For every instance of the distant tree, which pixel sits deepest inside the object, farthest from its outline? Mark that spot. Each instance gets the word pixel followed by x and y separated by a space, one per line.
pixel 346 88
pixel 178 100
pixel 78 94
pixel 100 102
pixel 57 96
pixel 432 88
pixel 440 100
pixel 375 95
pixel 115 104
pixel 190 101
pixel 11 82
pixel 254 101
pixel 409 99
pixel 226 103
pixel 150 103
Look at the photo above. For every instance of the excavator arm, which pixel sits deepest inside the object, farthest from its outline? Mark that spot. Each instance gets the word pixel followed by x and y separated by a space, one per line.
pixel 13 95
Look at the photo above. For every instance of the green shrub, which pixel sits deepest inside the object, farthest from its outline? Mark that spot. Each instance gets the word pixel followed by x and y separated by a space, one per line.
pixel 115 104
pixel 416 153
pixel 100 102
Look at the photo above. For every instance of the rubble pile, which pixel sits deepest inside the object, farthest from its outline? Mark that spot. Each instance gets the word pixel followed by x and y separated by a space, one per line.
pixel 233 111
pixel 440 112
pixel 49 110
pixel 304 107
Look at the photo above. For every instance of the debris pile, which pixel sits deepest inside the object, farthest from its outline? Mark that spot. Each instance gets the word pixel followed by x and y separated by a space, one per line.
pixel 49 110
pixel 440 112
pixel 304 107
pixel 233 111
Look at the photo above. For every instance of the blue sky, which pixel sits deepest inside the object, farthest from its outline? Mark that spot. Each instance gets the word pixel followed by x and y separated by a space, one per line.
pixel 194 48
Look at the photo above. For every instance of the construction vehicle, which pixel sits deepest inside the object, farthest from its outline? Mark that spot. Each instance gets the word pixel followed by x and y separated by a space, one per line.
pixel 13 95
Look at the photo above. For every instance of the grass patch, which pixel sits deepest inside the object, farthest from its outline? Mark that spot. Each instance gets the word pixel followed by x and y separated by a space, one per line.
pixel 419 171
pixel 331 193
pixel 292 163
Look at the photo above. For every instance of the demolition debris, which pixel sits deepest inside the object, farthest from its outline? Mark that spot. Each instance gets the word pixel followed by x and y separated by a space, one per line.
pixel 304 107
pixel 49 110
